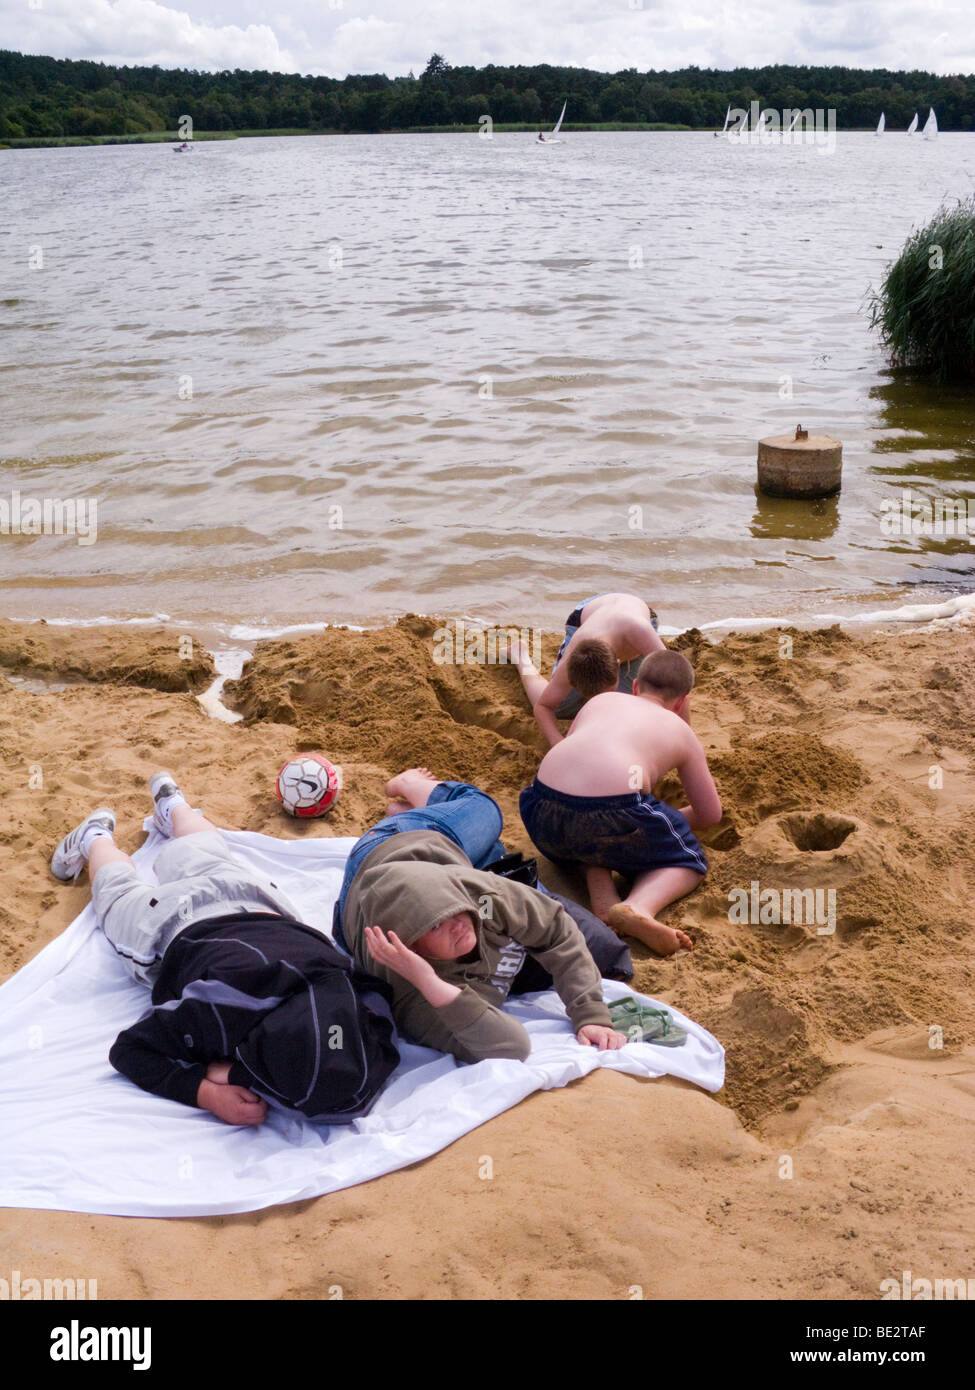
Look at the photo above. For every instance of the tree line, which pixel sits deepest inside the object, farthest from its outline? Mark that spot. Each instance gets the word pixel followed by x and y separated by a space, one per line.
pixel 52 97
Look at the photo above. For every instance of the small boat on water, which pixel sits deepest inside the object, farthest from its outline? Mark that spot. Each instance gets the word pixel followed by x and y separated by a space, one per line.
pixel 912 128
pixel 931 125
pixel 553 138
pixel 739 132
pixel 185 147
pixel 724 129
pixel 881 124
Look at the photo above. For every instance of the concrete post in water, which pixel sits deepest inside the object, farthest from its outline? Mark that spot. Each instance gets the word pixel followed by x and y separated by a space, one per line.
pixel 800 465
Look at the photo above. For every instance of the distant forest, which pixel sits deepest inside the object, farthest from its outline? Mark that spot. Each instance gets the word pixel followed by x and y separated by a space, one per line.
pixel 50 97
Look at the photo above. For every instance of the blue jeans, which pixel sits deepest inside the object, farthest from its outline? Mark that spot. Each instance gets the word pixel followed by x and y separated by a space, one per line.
pixel 462 812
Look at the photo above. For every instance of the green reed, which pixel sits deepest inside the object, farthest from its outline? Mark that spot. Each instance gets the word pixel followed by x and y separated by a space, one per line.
pixel 926 306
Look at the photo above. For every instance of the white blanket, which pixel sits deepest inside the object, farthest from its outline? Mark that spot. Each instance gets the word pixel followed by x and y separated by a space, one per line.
pixel 77 1136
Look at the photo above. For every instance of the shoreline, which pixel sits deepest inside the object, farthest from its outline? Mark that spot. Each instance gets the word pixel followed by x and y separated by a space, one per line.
pixel 240 636
pixel 501 127
pixel 823 760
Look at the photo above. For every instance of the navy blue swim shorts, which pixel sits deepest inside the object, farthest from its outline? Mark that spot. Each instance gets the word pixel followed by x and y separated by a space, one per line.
pixel 631 833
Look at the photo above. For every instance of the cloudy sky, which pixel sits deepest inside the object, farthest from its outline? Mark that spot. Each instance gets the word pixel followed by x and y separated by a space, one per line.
pixel 337 37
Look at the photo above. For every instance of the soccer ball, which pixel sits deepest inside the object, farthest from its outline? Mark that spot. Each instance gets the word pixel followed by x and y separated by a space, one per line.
pixel 308 785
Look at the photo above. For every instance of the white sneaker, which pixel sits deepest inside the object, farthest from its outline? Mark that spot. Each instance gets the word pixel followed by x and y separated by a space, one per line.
pixel 70 857
pixel 162 786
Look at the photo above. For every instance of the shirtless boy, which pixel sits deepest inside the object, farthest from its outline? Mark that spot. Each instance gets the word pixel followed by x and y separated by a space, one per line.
pixel 591 801
pixel 623 622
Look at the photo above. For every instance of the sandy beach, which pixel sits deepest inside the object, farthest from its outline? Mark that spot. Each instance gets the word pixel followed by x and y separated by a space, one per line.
pixel 837 1155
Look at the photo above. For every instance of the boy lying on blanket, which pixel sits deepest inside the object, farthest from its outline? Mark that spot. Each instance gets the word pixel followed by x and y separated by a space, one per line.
pixel 417 909
pixel 591 801
pixel 250 1006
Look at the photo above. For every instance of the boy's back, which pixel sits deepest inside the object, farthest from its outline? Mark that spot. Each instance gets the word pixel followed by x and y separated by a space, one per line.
pixel 618 743
pixel 622 620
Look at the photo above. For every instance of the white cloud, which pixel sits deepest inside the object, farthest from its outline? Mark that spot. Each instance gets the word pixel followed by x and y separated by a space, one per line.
pixel 137 32
pixel 341 36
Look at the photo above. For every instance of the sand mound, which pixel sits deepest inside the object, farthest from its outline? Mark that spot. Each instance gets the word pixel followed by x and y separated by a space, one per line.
pixel 157 658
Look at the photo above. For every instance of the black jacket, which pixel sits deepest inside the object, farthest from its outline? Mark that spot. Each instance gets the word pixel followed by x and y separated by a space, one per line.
pixel 304 1029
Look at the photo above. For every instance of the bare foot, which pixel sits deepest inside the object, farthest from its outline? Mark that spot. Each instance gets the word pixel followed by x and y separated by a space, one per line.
pixel 666 941
pixel 603 896
pixel 412 786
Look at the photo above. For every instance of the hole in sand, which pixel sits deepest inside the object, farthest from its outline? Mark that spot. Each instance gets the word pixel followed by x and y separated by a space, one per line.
pixel 819 832
pixel 723 837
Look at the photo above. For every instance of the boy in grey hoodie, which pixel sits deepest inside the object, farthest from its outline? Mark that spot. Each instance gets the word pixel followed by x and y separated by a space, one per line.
pixel 449 939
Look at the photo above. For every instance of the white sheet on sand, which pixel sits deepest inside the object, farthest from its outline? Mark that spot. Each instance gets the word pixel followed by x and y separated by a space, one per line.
pixel 77 1136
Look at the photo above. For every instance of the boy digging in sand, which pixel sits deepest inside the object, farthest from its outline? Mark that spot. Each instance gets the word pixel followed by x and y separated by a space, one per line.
pixel 591 801
pixel 623 624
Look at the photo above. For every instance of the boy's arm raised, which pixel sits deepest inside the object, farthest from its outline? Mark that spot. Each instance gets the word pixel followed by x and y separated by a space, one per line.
pixel 435 1013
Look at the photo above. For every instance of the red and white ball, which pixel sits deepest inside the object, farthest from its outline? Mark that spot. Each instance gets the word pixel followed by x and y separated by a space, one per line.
pixel 308 785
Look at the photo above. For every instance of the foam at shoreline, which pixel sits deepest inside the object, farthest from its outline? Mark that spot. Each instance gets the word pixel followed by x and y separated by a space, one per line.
pixel 958 606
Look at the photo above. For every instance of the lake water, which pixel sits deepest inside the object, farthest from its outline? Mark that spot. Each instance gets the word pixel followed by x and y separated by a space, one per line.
pixel 347 377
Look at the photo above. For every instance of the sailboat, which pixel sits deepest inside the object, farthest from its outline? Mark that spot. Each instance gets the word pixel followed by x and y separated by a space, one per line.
pixel 724 129
pixel 553 138
pixel 881 124
pixel 931 125
pixel 912 128
pixel 739 131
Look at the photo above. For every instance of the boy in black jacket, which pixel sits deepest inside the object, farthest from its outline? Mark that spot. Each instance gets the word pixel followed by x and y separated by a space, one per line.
pixel 250 1006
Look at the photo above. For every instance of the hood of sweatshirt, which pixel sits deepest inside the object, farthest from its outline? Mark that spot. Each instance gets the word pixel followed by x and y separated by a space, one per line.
pixel 412 898
pixel 412 881
pixel 325 1050
pixel 401 892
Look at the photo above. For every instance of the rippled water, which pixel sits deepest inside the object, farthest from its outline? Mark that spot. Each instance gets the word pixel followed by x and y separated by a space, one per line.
pixel 346 377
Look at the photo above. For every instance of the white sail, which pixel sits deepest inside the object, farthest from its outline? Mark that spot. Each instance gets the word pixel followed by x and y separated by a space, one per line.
pixel 931 125
pixel 795 116
pixel 912 128
pixel 727 118
pixel 881 124
pixel 558 123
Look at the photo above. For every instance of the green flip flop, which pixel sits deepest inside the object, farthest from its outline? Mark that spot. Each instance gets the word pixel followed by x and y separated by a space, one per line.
pixel 641 1023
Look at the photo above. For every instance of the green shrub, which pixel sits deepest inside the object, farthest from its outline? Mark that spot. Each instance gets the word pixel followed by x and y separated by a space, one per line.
pixel 926 306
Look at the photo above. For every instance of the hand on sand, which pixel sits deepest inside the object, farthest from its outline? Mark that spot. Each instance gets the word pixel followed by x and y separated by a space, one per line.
pixel 605 1039
pixel 235 1105
pixel 666 941
pixel 518 655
